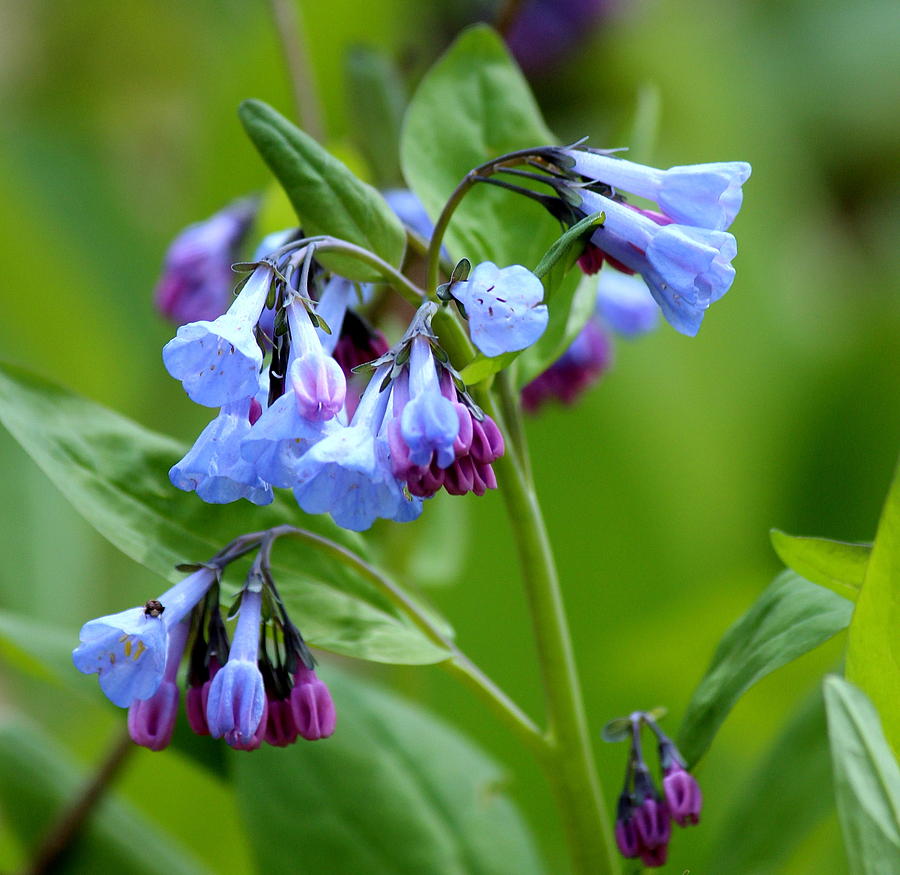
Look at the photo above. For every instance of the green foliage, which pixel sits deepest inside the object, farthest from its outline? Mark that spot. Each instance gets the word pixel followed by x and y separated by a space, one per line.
pixel 786 797
pixel 472 106
pixel 834 564
pixel 326 196
pixel 37 779
pixel 377 102
pixel 790 618
pixel 873 653
pixel 115 473
pixel 394 791
pixel 36 648
pixel 866 779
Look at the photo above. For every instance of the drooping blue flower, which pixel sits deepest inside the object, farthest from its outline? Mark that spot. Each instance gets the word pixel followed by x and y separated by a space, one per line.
pixel 685 268
pixel 197 278
pixel 701 195
pixel 128 650
pixel 237 694
pixel 503 306
pixel 625 304
pixel 410 210
pixel 348 473
pixel 429 423
pixel 219 362
pixel 214 467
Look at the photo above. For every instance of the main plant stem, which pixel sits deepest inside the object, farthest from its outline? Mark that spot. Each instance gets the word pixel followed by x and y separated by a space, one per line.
pixel 569 763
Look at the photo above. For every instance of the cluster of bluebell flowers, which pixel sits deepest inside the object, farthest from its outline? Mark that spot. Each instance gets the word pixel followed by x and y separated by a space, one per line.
pixel 644 813
pixel 260 686
pixel 279 366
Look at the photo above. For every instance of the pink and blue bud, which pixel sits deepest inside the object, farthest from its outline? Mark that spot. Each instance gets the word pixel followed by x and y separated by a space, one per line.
pixel 625 305
pixel 129 650
pixel 504 307
pixel 197 278
pixel 219 362
pixel 311 706
pixel 700 195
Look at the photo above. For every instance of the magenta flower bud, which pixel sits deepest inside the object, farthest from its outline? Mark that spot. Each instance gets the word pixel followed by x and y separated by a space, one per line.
pixel 312 706
pixel 151 722
pixel 654 857
pixel 683 795
pixel 653 823
pixel 627 838
pixel 281 730
pixel 195 701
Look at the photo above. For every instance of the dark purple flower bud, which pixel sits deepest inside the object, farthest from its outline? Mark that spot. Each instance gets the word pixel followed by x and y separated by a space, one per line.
pixel 196 698
pixel 578 368
pixel 627 839
pixel 312 706
pixel 197 279
pixel 683 795
pixel 281 730
pixel 654 857
pixel 653 823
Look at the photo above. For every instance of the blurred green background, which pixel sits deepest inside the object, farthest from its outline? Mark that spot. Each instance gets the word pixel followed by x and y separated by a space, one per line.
pixel 119 128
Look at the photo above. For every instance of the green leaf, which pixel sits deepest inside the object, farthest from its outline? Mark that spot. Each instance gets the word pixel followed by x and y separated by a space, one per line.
pixel 327 197
pixel 115 473
pixel 873 653
pixel 394 791
pixel 37 781
pixel 472 106
pixel 866 780
pixel 786 797
pixel 377 101
pixel 552 269
pixel 36 649
pixel 790 618
pixel 837 565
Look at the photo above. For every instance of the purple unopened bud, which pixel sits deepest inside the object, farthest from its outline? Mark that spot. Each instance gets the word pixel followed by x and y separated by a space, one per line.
pixel 195 701
pixel 281 730
pixel 627 839
pixel 312 706
pixel 683 795
pixel 151 722
pixel 238 742
pixel 653 823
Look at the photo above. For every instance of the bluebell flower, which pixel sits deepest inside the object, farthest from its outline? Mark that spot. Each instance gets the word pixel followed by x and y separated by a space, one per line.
pixel 151 722
pixel 128 650
pixel 625 304
pixel 219 361
pixel 410 210
pixel 348 473
pixel 237 698
pixel 428 422
pixel 685 268
pixel 197 278
pixel 503 306
pixel 701 195
pixel 214 467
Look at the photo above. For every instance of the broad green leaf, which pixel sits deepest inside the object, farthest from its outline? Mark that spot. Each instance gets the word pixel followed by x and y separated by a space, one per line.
pixel 326 196
pixel 866 780
pixel 790 618
pixel 394 791
pixel 472 106
pixel 33 647
pixel 873 653
pixel 377 102
pixel 837 565
pixel 115 473
pixel 37 781
pixel 560 297
pixel 786 796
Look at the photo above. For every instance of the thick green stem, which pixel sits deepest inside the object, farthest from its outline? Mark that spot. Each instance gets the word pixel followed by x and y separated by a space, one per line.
pixel 570 766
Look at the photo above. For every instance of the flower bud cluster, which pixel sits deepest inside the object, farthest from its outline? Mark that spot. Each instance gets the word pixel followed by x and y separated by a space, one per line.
pixel 645 813
pixel 261 686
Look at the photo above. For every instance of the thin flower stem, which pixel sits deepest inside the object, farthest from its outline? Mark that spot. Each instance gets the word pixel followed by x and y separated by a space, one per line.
pixel 459 664
pixel 65 829
pixel 293 47
pixel 570 768
pixel 512 415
